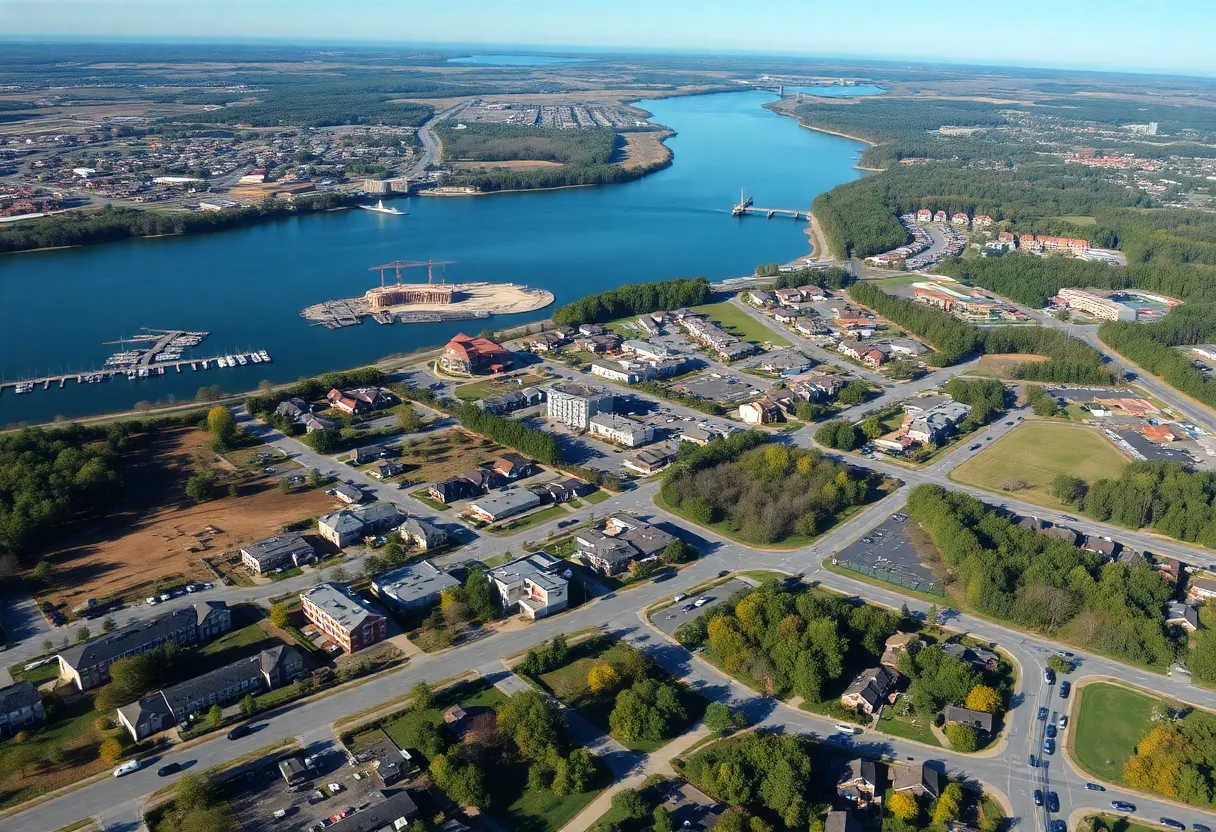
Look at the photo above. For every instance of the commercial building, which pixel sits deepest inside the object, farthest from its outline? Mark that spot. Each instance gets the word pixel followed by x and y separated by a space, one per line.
pixel 406 294
pixel 533 584
pixel 1096 305
pixel 394 812
pixel 343 617
pixel 350 525
pixel 504 504
pixel 267 670
pixel 270 553
pixel 620 429
pixel 650 461
pixel 413 587
pixel 88 664
pixel 396 185
pixel 574 404
pixel 468 355
pixel 936 423
pixel 20 707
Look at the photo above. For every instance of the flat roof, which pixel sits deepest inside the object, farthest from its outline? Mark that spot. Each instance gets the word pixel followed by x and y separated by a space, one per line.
pixel 340 604
pixel 415 582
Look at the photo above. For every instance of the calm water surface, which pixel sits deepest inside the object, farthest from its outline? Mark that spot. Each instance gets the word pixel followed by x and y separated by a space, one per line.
pixel 248 286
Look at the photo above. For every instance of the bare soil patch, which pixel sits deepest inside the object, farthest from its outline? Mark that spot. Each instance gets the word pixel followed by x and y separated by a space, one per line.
pixel 643 150
pixel 513 164
pixel 1005 365
pixel 151 531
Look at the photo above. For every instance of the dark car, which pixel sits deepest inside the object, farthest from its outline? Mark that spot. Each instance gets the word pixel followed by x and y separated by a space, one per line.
pixel 687 608
pixel 1049 746
pixel 723 573
pixel 238 732
pixel 1095 787
pixel 1053 802
pixel 1038 797
pixel 1032 762
pixel 666 576
pixel 1049 676
pixel 1051 731
pixel 1042 713
pixel 1170 823
pixel 1058 825
pixel 1065 687
pixel 1122 806
pixel 1199 827
pixel 166 770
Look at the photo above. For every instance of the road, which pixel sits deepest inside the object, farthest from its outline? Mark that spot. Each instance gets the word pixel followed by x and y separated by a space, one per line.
pixel 115 801
pixel 430 143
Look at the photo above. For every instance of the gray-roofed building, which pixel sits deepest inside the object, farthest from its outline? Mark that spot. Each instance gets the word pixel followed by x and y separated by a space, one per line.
pixel 979 720
pixel 449 491
pixel 1102 546
pixel 696 435
pixel 20 706
pixel 423 534
pixel 871 689
pixel 343 617
pixel 620 429
pixel 1063 533
pixel 212 618
pixel 312 422
pixel 533 584
pixel 650 460
pixel 504 504
pixel 690 808
pixel 623 540
pixel 348 526
pixel 918 779
pixel 414 586
pixel 88 664
pixel 1182 615
pixel 786 363
pixel 362 456
pixel 391 763
pixel 976 656
pixel 294 409
pixel 392 814
pixel 281 550
pixel 347 493
pixel 387 469
pixel 267 670
pixel 859 783
pixel 841 821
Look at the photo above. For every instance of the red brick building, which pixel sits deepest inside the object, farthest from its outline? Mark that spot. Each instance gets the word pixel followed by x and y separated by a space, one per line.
pixel 465 354
pixel 343 617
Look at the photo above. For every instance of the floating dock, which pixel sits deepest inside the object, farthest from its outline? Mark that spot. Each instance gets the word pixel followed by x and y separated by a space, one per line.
pixel 138 372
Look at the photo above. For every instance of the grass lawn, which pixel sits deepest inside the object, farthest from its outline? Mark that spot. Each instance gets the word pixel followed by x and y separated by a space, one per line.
pixel 597 496
pixel 740 324
pixel 1035 453
pixel 1121 823
pixel 37 676
pixel 1109 722
pixel 74 737
pixel 529 520
pixel 1004 365
pixel 493 386
pixel 421 495
pixel 439 456
pixel 912 728
pixel 1078 220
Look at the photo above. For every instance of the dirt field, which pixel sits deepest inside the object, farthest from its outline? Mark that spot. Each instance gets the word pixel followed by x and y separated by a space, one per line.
pixel 514 164
pixel 148 535
pixel 642 149
pixel 1004 365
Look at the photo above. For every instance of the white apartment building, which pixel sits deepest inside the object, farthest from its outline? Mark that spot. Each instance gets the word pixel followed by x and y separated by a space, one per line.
pixel 621 430
pixel 574 404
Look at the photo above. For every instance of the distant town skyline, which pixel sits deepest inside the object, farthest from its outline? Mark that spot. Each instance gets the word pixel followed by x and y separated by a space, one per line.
pixel 1105 35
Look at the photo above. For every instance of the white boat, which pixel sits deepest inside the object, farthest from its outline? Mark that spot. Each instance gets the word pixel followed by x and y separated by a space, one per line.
pixel 265 356
pixel 240 359
pixel 381 208
pixel 255 358
pixel 231 361
pixel 143 372
pixel 131 375
pixel 25 387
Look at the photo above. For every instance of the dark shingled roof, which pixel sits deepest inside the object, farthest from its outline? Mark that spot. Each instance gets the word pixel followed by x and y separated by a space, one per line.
pixel 109 647
pixel 17 696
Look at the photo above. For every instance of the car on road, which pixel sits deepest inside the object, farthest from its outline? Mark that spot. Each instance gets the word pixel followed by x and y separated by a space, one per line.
pixel 1049 676
pixel 845 728
pixel 1065 687
pixel 688 608
pixel 1051 731
pixel 867 540
pixel 1063 721
pixel 1053 802
pixel 703 600
pixel 1122 806
pixel 1007 424
pixel 1032 762
pixel 1170 823
pixel 1095 787
pixel 170 768
pixel 723 573
pixel 1019 418
pixel 679 597
pixel 238 732
pixel 1038 797
pixel 1058 826
pixel 127 768
pixel 1042 713
pixel 1200 827
pixel 1049 747
pixel 975 447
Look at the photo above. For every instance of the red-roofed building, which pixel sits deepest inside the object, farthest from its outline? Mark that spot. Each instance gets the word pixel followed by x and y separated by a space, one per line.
pixel 1004 236
pixel 465 354
pixel 939 216
pixel 981 221
pixel 960 219
pixel 924 215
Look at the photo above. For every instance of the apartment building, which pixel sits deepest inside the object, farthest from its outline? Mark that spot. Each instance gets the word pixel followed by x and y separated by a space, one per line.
pixel 533 584
pixel 1097 305
pixel 270 553
pixel 343 617
pixel 621 430
pixel 574 404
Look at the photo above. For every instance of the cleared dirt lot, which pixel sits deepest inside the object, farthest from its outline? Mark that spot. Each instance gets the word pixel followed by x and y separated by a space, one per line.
pixel 642 150
pixel 148 535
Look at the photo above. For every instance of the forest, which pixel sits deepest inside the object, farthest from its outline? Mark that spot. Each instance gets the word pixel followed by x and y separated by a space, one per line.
pixel 77 228
pixel 506 142
pixel 634 299
pixel 1163 496
pixel 1153 347
pixel 764 773
pixel 761 492
pixel 1044 584
pixel 560 177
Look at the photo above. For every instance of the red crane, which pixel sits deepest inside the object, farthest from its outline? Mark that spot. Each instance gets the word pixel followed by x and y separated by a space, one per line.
pixel 398 265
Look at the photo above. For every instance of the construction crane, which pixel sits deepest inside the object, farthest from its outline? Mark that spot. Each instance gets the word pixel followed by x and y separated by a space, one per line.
pixel 398 265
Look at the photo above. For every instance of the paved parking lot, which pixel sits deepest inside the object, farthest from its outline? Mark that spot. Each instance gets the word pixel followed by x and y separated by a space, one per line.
pixel 262 792
pixel 886 553
pixel 669 619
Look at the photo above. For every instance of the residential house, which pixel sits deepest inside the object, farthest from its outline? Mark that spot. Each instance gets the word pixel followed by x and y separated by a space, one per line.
pixel 841 821
pixel 346 493
pixel 422 534
pixel 981 221
pixel 623 540
pixel 786 363
pixel 414 586
pixel 564 489
pixel 924 215
pixel 1182 615
pixel 1101 545
pixel 390 763
pixel 696 435
pixel 313 422
pixel 787 316
pixel 975 656
pixel 626 372
pixel 504 504
pixel 361 399
pixel 622 430
pixel 810 327
pixel 861 783
pixel 935 424
pixel 1171 569
pixel 372 453
pixel 1069 536
pixel 939 216
pixel 759 412
pixel 270 553
pixel 759 297
pixel 598 344
pixel 649 461
pixel 591 330
pixel 268 670
pixel 533 584
pixel 512 466
pixel 347 526
pixel 872 689
pixel 88 664
pixel 512 400
pixel 960 219
pixel 449 491
pixel 649 351
pixel 20 707
pixel 1031 524
pixel 574 404
pixel 467 355
pixel 690 809
pixel 294 409
pixel 906 347
pixel 395 811
pixel 918 780
pixel 343 617
pixel 788 297
pixel 896 644
pixel 1130 557
pixel 979 720
pixel 388 469
pixel 544 341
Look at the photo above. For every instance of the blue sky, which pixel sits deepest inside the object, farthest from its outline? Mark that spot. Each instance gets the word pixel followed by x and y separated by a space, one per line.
pixel 1128 35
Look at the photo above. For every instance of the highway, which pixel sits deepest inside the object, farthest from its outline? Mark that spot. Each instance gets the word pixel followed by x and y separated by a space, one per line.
pixel 1005 768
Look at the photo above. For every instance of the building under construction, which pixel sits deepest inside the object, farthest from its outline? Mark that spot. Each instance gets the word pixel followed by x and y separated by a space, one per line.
pixel 406 294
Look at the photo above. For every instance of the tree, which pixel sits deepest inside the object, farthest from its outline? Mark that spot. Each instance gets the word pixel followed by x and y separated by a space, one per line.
pixel 108 625
pixel 840 434
pixel 201 486
pixel 1068 489
pixel 280 616
pixel 949 804
pixel 934 615
pixel 602 678
pixel 722 719
pixel 45 574
pixel 1059 664
pixel 575 773
pixel 82 635
pixel 629 805
pixel 872 427
pixel 984 698
pixel 643 569
pixel 408 418
pixel 532 721
pixel 221 425
pixel 422 697
pixel 215 716
pixel 662 821
pixel 463 781
pixel 855 392
pixel 109 751
pixel 678 551
pixel 47 645
pixel 963 737
pixel 648 710
pixel 324 441
pixel 195 791
pixel 248 705
pixel 211 819
pixel 903 806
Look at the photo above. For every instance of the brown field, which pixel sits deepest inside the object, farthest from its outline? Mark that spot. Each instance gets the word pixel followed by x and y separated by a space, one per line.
pixel 514 164
pixel 1004 365
pixel 643 149
pixel 147 536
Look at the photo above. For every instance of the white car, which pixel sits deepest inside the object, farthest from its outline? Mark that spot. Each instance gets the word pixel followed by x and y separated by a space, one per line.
pixel 127 768
pixel 680 597
pixel 152 601
pixel 702 601
pixel 846 729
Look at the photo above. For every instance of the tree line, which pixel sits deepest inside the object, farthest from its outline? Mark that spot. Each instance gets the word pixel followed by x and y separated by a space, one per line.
pixel 634 299
pixel 533 443
pixel 566 176
pixel 262 405
pixel 1164 496
pixel 1044 584
pixel 1156 347
pixel 1176 757
pixel 505 142
pixel 76 228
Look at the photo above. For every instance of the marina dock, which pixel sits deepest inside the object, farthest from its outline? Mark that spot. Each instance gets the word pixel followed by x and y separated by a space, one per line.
pixel 140 371
pixel 746 206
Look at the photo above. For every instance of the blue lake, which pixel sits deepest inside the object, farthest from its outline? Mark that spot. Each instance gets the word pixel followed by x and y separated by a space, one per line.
pixel 248 286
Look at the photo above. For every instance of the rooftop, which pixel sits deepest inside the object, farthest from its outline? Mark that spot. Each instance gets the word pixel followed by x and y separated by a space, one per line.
pixel 340 604
pixel 415 582
pixel 128 639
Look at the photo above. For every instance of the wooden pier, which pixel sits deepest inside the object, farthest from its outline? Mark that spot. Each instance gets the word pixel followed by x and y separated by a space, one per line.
pixel 747 206
pixel 155 370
